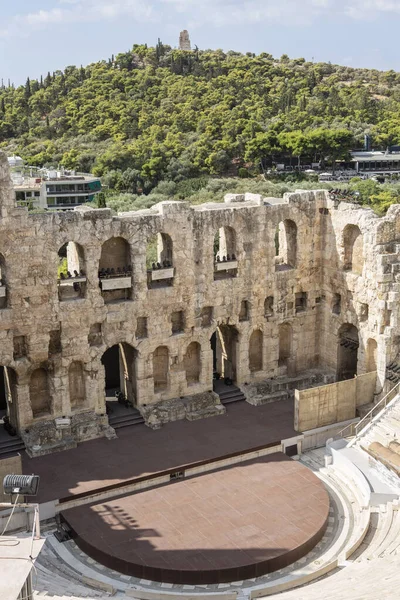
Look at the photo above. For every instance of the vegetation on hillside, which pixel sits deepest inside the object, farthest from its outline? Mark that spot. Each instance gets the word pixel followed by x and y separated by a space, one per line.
pixel 197 191
pixel 156 115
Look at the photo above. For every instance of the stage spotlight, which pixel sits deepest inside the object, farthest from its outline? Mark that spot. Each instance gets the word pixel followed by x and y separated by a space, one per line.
pixel 25 485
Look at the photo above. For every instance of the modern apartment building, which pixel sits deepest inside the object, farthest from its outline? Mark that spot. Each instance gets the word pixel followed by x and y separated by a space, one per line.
pixel 51 189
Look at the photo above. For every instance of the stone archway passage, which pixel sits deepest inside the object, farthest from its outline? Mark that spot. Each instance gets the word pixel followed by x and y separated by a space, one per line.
pixel 8 395
pixel 119 363
pixel 223 344
pixel 347 356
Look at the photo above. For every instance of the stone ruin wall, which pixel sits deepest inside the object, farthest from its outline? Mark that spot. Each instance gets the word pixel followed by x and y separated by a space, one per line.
pixel 38 331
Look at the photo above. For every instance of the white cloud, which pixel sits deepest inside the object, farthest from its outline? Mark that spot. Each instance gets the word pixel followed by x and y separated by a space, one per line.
pixel 193 13
pixel 72 11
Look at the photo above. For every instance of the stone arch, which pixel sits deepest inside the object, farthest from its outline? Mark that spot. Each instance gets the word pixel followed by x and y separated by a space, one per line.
pixel 3 283
pixel 224 346
pixel 71 271
pixel 256 351
pixel 76 381
pixel 353 243
pixel 119 362
pixel 192 363
pixel 372 355
pixel 347 356
pixel 39 393
pixel 286 245
pixel 115 254
pixel 115 270
pixel 160 260
pixel 285 343
pixel 160 368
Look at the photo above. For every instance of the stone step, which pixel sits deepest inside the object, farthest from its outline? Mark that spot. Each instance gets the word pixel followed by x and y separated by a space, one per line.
pixel 11 445
pixel 235 396
pixel 132 418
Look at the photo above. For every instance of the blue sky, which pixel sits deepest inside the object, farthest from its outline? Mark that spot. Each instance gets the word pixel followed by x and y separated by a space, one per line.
pixel 41 35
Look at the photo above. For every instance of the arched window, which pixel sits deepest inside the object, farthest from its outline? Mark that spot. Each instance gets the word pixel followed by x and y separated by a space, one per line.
pixel 192 363
pixel 286 245
pixel 71 272
pixel 256 351
pixel 77 393
pixel 160 368
pixel 3 283
pixel 372 355
pixel 39 393
pixel 224 343
pixel 285 343
pixel 347 357
pixel 115 270
pixel 353 249
pixel 225 253
pixel 159 261
pixel 269 306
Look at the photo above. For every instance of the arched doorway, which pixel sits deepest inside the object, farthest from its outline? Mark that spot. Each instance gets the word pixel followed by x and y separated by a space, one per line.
pixel 347 357
pixel 119 363
pixel 8 396
pixel 223 344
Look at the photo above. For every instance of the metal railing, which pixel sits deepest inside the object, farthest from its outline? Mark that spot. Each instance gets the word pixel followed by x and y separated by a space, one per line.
pixel 354 429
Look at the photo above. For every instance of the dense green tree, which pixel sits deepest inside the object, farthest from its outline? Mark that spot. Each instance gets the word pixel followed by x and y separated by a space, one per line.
pixel 163 114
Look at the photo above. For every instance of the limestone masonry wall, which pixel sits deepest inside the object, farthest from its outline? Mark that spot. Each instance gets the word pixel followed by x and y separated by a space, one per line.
pixel 307 283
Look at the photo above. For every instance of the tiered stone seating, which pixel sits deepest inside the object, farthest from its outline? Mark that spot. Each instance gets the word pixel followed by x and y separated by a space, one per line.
pixel 380 440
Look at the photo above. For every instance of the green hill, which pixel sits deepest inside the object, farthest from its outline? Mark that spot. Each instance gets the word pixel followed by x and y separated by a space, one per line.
pixel 157 114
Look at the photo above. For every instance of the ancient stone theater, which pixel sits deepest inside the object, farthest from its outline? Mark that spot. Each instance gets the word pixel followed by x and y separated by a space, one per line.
pixel 175 376
pixel 253 292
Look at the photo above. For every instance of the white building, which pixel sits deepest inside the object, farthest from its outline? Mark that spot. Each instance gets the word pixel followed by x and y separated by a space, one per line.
pixel 51 189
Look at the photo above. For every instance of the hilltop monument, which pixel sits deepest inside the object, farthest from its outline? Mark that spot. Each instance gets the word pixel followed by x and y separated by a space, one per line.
pixel 184 40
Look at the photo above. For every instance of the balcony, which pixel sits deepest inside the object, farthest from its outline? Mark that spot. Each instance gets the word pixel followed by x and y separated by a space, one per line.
pixel 69 281
pixel 164 273
pixel 116 283
pixel 71 287
pixel 160 275
pixel 225 268
pixel 226 265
